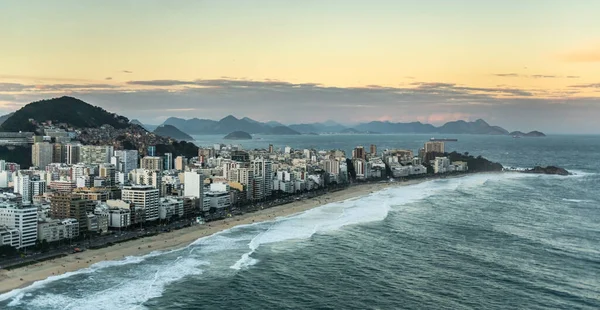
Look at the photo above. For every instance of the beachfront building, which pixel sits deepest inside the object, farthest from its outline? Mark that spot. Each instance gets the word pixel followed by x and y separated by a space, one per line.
pixel 119 218
pixel 460 166
pixel 434 147
pixel 193 184
pixel 9 236
pixel 53 230
pixel 169 207
pixel 146 197
pixel 23 218
pixel 69 205
pixel 441 165
pixel 217 200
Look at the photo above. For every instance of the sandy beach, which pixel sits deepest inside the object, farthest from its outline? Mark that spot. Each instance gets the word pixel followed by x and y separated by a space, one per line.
pixel 21 277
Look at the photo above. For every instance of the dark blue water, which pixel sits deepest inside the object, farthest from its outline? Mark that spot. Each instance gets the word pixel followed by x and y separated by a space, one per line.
pixel 492 241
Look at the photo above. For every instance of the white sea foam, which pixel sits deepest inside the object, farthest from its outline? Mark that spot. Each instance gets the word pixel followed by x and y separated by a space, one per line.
pixel 370 208
pixel 149 279
pixel 149 282
pixel 18 294
pixel 577 200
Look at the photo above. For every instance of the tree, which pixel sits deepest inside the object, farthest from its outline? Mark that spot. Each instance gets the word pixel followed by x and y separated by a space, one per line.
pixel 7 250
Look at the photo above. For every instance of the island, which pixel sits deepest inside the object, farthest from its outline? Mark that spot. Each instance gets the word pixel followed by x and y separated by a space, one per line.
pixel 238 135
pixel 534 133
pixel 548 170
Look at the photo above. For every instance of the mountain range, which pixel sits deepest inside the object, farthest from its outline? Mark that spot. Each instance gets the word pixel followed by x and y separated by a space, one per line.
pixel 230 123
pixel 76 113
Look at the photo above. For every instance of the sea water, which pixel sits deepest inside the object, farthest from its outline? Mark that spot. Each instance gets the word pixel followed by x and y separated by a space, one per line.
pixel 493 241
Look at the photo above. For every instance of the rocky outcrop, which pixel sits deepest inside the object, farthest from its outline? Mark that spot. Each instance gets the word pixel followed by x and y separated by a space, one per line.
pixel 548 170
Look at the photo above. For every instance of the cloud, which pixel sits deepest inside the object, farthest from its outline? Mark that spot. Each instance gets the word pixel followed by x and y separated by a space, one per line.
pixel 68 87
pixel 127 71
pixel 428 101
pixel 593 85
pixel 13 87
pixel 535 76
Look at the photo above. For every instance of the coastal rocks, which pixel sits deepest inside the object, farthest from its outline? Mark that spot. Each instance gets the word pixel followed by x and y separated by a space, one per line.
pixel 548 170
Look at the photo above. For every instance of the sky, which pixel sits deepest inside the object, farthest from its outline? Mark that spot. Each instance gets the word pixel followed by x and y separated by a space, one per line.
pixel 526 64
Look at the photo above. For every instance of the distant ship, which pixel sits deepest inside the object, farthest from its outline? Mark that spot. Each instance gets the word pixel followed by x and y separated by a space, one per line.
pixel 443 139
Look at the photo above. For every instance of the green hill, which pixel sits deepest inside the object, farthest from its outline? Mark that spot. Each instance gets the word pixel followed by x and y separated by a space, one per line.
pixel 65 110
pixel 169 131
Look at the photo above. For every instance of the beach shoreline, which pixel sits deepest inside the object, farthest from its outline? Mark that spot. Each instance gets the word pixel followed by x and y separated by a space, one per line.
pixel 28 275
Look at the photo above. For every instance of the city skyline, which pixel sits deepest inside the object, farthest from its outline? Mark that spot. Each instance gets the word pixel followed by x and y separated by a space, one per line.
pixel 515 64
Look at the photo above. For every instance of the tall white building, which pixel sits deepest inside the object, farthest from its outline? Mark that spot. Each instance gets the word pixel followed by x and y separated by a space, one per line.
pixel 145 197
pixel 22 185
pixel 6 177
pixel 41 154
pixel 23 218
pixel 128 160
pixel 263 170
pixel 95 154
pixel 193 184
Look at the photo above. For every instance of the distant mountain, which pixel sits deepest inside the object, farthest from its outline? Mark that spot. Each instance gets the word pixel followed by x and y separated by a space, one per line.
pixel 304 128
pixel 5 117
pixel 479 127
pixel 529 134
pixel 326 127
pixel 350 131
pixel 231 123
pixel 64 110
pixel 274 123
pixel 170 131
pixel 389 127
pixel 145 126
pixel 192 126
pixel 282 130
pixel 228 124
pixel 238 135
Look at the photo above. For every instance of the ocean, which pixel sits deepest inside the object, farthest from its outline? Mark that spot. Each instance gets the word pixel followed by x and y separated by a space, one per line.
pixel 484 241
